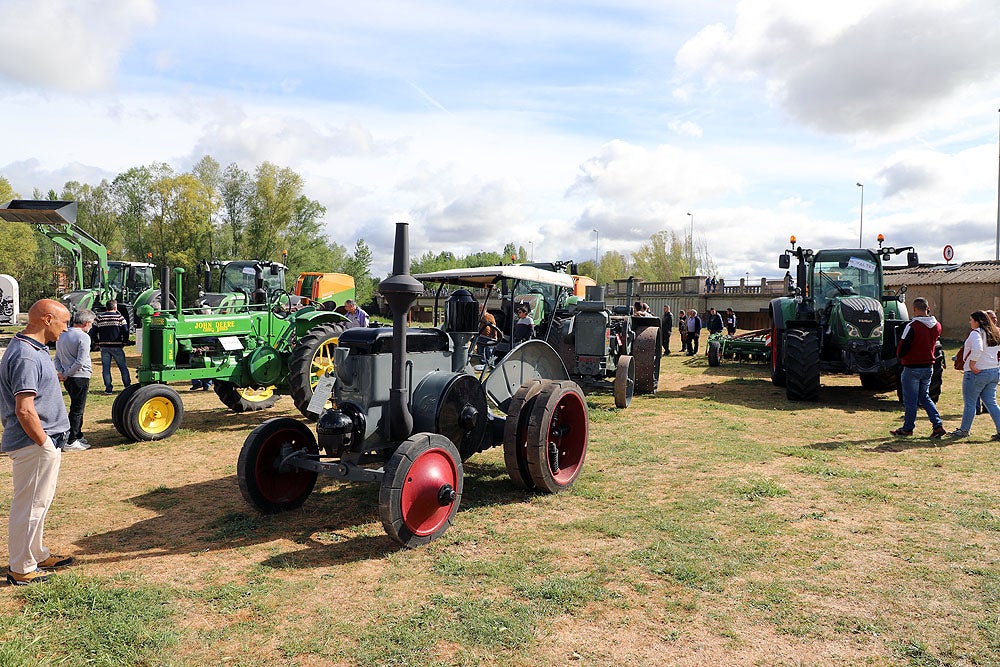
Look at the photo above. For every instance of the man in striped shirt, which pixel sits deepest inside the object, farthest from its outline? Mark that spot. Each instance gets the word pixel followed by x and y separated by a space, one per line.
pixel 111 332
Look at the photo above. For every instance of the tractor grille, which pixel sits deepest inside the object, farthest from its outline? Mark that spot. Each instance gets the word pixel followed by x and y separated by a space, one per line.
pixel 863 312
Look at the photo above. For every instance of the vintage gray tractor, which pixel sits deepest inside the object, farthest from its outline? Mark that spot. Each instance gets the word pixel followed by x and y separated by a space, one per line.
pixel 408 411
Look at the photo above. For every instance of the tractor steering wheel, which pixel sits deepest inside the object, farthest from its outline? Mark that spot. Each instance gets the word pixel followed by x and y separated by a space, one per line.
pixel 281 309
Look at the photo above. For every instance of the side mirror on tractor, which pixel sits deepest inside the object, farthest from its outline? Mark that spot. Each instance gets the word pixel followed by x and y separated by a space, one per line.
pixel 784 261
pixel 912 260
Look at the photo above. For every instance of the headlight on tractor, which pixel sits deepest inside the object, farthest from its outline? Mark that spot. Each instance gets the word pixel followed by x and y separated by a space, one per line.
pixel 877 331
pixel 852 331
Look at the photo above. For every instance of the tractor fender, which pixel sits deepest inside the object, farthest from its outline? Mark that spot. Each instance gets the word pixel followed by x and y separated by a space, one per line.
pixel 307 320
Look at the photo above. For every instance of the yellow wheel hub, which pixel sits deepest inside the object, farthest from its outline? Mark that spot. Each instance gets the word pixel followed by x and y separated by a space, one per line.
pixel 256 395
pixel 156 415
pixel 322 361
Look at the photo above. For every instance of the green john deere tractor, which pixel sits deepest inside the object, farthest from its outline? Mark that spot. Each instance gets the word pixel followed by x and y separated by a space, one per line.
pixel 228 286
pixel 248 353
pixel 840 320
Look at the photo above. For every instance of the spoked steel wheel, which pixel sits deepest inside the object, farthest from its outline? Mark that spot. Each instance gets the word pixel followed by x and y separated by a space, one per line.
pixel 153 412
pixel 266 481
pixel 624 382
pixel 557 436
pixel 421 489
pixel 515 433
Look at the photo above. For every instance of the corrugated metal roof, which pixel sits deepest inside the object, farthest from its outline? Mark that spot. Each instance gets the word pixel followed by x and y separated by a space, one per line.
pixel 944 274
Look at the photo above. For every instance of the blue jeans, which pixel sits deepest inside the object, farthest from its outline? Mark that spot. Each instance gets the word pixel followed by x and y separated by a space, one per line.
pixel 118 354
pixel 975 386
pixel 916 383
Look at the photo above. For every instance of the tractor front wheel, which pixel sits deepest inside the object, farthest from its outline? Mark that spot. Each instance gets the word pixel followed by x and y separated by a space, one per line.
pixel 311 359
pixel 153 412
pixel 557 436
pixel 421 489
pixel 245 399
pixel 801 365
pixel 118 410
pixel 624 382
pixel 265 481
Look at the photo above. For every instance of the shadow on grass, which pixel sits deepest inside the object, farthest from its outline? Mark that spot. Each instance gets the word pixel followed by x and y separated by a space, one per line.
pixel 734 388
pixel 887 445
pixel 334 525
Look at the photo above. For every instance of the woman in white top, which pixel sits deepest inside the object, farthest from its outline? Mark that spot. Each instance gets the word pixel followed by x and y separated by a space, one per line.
pixel 979 381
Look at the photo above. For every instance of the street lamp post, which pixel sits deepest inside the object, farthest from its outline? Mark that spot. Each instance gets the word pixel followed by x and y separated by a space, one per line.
pixel 531 250
pixel 597 254
pixel 997 255
pixel 861 224
pixel 691 246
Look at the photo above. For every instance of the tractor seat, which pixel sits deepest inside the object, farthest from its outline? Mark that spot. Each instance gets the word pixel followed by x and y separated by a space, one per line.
pixel 367 340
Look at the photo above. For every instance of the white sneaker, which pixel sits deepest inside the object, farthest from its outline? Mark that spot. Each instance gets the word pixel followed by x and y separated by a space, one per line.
pixel 76 446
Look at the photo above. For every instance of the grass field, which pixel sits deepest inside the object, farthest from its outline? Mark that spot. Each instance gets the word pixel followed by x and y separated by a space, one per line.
pixel 714 523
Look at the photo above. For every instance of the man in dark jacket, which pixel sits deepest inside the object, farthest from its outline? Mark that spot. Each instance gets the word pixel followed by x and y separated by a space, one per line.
pixel 715 324
pixel 666 327
pixel 916 354
pixel 111 333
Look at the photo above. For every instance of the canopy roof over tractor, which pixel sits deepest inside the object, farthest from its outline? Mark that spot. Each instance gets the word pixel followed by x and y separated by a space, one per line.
pixel 484 276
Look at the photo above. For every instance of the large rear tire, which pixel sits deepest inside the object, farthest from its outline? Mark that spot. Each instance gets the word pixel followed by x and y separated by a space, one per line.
pixel 244 399
pixel 515 433
pixel 311 359
pixel 118 411
pixel 646 354
pixel 421 489
pixel 778 378
pixel 801 365
pixel 264 483
pixel 557 436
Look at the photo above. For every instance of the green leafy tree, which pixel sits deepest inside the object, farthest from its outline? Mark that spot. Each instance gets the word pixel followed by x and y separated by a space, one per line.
pixel 662 258
pixel 359 265
pixel 7 191
pixel 236 191
pixel 181 220
pixel 275 194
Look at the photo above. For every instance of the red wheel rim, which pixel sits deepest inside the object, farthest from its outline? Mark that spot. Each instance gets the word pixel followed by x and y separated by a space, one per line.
pixel 280 486
pixel 774 349
pixel 568 430
pixel 420 501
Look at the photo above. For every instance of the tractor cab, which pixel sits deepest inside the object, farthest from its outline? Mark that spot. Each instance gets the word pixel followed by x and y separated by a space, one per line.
pixel 126 280
pixel 229 286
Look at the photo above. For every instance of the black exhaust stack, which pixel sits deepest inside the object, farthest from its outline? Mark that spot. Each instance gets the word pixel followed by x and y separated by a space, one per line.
pixel 164 288
pixel 400 291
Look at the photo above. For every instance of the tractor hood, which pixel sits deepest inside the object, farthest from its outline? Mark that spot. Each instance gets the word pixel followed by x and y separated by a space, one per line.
pixel 862 316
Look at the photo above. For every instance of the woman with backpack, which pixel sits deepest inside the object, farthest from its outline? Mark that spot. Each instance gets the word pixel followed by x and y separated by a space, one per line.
pixel 980 372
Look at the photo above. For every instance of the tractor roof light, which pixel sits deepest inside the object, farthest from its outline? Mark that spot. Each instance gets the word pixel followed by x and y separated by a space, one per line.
pixel 791 239
pixel 881 239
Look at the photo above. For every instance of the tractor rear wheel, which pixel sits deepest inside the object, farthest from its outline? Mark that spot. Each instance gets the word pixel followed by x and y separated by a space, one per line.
pixel 264 482
pixel 624 382
pixel 714 353
pixel 646 353
pixel 421 489
pixel 777 362
pixel 801 365
pixel 515 433
pixel 557 436
pixel 244 399
pixel 153 412
pixel 311 359
pixel 118 410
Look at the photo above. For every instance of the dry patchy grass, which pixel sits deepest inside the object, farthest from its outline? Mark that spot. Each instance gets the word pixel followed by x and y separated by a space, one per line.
pixel 714 523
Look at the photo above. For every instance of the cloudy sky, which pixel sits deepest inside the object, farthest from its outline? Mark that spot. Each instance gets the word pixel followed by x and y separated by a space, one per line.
pixel 537 121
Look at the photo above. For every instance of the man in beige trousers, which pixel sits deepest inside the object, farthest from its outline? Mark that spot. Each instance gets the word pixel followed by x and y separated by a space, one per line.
pixel 35 424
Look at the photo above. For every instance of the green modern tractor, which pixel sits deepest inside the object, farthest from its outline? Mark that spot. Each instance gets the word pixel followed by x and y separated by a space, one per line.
pixel 130 283
pixel 840 320
pixel 229 286
pixel 249 353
